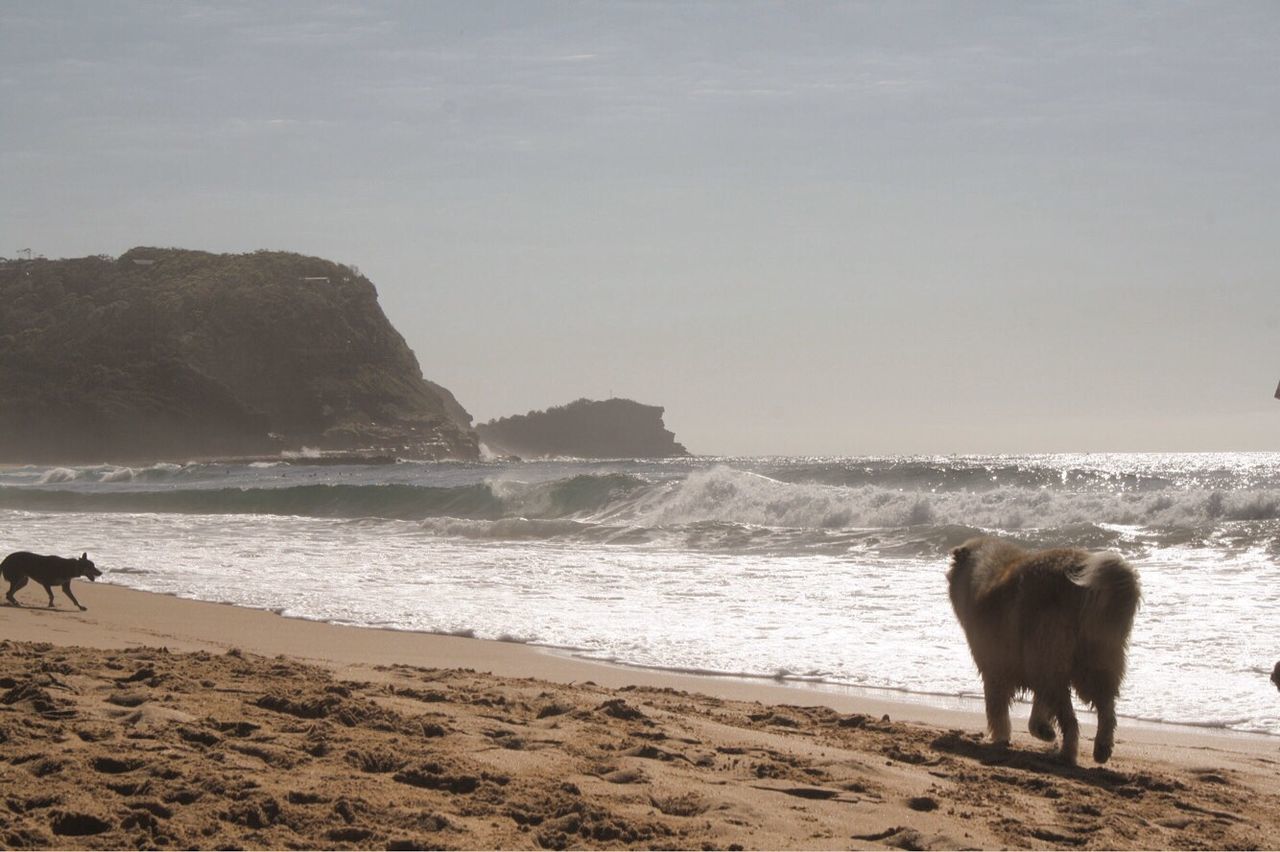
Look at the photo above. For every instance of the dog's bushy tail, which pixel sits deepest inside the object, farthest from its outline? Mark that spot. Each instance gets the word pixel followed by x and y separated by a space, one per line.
pixel 1113 594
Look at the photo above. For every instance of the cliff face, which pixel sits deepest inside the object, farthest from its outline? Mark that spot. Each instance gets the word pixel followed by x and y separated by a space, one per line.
pixel 165 352
pixel 613 428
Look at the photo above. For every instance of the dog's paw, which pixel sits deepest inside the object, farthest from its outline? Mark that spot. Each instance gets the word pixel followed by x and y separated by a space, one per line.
pixel 1042 730
pixel 1102 751
pixel 83 608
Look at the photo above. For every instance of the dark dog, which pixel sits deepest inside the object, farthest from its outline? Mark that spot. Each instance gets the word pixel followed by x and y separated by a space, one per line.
pixel 48 571
pixel 1046 621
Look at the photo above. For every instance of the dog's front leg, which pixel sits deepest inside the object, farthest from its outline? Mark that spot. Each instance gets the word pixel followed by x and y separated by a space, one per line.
pixel 49 590
pixel 66 589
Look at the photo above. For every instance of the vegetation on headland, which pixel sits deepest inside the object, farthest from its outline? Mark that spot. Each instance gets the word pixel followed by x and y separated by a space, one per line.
pixel 169 352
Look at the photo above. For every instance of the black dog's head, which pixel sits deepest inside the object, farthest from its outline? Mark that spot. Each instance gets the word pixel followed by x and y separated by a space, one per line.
pixel 87 569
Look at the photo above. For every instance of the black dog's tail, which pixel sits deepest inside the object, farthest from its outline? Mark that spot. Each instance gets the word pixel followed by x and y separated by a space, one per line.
pixel 9 568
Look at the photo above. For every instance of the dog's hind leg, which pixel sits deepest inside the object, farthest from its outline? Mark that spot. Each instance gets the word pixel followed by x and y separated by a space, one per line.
pixel 1041 722
pixel 14 585
pixel 1070 727
pixel 1105 740
pixel 998 697
pixel 49 589
pixel 66 590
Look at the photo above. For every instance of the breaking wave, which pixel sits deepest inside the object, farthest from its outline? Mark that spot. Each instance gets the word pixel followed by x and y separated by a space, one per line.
pixel 486 501
pixel 723 494
pixel 721 507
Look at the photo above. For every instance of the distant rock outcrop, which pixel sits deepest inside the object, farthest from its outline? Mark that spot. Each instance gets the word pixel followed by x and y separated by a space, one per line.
pixel 612 428
pixel 166 352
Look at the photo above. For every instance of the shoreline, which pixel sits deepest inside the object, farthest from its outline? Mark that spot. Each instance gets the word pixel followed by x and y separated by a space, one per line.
pixel 121 615
pixel 968 705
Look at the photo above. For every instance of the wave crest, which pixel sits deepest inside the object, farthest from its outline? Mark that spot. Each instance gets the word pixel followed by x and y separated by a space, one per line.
pixel 720 507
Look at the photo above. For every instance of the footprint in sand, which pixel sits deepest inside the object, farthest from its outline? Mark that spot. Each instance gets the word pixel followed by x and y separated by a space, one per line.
pixel 897 837
pixel 626 776
pixel 924 804
pixel 112 766
pixel 72 824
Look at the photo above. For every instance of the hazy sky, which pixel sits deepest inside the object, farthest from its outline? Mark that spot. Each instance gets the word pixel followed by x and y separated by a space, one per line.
pixel 803 228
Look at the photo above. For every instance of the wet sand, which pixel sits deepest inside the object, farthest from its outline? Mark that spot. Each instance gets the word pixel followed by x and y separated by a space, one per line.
pixel 150 721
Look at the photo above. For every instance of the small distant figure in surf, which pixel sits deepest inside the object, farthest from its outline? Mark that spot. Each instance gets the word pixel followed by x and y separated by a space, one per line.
pixel 48 571
pixel 1275 675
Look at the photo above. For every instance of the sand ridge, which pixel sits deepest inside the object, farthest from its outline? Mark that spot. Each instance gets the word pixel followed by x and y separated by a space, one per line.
pixel 142 747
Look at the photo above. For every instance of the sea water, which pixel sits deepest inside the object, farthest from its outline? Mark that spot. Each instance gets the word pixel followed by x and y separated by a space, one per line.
pixel 824 570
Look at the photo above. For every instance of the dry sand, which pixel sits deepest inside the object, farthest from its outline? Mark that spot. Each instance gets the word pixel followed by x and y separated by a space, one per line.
pixel 150 721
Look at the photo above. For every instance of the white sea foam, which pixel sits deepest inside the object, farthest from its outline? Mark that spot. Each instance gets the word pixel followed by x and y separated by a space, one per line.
pixel 164 470
pixel 724 494
pixel 58 474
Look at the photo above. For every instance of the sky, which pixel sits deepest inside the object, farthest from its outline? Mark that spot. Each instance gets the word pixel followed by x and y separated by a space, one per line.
pixel 804 228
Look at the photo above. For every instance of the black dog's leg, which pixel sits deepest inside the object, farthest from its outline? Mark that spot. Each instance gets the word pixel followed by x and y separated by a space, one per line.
pixel 15 584
pixel 66 590
pixel 49 589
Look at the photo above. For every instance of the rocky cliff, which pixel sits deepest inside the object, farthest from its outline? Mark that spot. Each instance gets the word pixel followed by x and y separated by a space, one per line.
pixel 164 352
pixel 612 428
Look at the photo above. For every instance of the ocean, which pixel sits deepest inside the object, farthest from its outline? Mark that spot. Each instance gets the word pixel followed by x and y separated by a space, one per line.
pixel 825 571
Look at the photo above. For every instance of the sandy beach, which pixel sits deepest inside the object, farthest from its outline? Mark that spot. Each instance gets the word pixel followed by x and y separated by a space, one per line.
pixel 150 721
